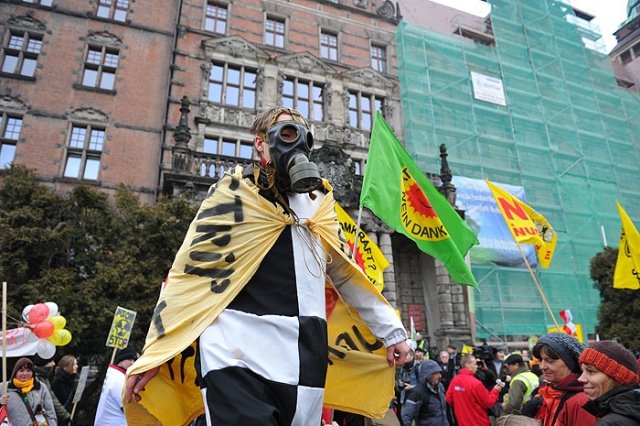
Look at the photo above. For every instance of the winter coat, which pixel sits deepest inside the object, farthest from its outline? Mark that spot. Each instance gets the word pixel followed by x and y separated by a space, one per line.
pixel 64 386
pixel 42 374
pixel 38 396
pixel 571 413
pixel 426 405
pixel 618 407
pixel 470 399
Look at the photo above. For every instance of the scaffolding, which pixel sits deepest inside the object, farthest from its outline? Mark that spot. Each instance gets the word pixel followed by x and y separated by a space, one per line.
pixel 567 134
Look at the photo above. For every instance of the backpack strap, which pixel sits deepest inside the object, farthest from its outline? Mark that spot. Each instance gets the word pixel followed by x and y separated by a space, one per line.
pixel 564 399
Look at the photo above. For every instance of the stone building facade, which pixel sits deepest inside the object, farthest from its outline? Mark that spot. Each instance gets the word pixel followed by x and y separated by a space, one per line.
pixel 160 96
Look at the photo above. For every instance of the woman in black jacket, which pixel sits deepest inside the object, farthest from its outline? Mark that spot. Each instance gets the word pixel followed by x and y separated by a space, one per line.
pixel 610 379
pixel 64 383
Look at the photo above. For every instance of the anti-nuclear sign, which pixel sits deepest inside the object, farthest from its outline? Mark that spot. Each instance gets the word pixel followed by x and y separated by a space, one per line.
pixel 121 328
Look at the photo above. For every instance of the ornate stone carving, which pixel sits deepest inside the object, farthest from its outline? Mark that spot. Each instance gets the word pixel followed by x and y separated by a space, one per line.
pixel 368 77
pixel 210 112
pixel 89 114
pixel 27 22
pixel 305 62
pixel 336 166
pixel 12 103
pixel 361 3
pixel 345 102
pixel 387 10
pixel 104 39
pixel 328 98
pixel 234 46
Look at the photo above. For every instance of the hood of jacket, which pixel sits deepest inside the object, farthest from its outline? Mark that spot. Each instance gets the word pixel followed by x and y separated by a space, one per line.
pixel 428 368
pixel 623 400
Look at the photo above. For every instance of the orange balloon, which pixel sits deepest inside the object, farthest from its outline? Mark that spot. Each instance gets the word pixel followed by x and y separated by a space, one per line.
pixel 43 329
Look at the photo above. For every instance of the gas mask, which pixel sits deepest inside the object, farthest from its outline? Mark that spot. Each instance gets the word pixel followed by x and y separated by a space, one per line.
pixel 290 144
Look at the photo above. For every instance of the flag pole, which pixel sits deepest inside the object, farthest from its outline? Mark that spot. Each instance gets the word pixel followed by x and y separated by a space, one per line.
pixel 355 238
pixel 544 299
pixel 4 338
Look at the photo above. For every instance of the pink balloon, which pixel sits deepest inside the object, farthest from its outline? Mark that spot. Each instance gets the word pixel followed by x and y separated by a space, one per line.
pixel 43 329
pixel 38 313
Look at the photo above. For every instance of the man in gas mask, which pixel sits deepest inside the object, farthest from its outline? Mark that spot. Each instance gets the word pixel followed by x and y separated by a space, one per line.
pixel 249 284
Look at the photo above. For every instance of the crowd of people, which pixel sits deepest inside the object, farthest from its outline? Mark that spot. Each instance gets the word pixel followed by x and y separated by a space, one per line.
pixel 559 383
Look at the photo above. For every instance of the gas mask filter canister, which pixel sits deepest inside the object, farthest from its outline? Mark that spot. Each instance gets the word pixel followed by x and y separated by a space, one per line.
pixel 290 144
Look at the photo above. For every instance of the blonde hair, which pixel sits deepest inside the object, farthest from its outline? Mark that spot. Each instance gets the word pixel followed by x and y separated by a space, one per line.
pixel 268 117
pixel 66 362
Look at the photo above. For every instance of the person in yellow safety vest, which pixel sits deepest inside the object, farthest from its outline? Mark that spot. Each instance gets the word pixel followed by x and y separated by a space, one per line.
pixel 522 384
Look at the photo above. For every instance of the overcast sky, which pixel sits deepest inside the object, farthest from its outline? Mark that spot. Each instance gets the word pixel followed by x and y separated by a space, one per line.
pixel 609 14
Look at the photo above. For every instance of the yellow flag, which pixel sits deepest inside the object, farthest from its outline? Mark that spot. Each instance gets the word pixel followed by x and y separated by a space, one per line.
pixel 526 225
pixel 627 274
pixel 368 257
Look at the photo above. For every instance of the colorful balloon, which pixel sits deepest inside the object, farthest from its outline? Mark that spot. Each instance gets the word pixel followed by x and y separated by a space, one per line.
pixel 38 313
pixel 58 321
pixel 25 312
pixel 53 308
pixel 60 337
pixel 43 329
pixel 45 349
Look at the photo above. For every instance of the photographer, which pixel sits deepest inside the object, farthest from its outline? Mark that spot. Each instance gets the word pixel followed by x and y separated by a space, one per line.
pixel 484 355
pixel 406 380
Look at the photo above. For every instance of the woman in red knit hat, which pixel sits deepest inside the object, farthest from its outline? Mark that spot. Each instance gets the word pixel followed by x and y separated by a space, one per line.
pixel 610 379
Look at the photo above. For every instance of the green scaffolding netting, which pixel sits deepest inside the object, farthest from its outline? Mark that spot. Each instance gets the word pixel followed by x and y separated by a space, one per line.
pixel 567 134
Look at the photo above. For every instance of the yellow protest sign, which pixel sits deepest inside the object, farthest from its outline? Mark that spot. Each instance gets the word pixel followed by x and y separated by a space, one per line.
pixel 121 328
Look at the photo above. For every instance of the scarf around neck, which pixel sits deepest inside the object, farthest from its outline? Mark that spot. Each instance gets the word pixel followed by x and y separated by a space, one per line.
pixel 25 386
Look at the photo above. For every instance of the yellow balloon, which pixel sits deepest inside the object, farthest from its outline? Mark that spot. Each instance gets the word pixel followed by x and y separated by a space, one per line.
pixel 60 337
pixel 58 322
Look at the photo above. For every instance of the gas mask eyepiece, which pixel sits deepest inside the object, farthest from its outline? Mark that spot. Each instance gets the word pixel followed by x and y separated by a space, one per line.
pixel 290 144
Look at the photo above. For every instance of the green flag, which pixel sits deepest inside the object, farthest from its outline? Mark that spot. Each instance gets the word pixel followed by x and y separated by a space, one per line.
pixel 396 191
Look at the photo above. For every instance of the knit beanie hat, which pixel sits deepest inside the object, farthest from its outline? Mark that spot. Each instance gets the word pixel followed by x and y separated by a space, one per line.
pixel 126 353
pixel 567 347
pixel 38 361
pixel 612 359
pixel 20 363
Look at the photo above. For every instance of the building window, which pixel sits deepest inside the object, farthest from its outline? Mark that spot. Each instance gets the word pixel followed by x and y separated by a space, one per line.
pixel 84 152
pixel 226 147
pixel 9 132
pixel 625 57
pixel 361 109
pixel 216 18
pixel 305 96
pixel 232 85
pixel 113 9
pixel 378 58
pixel 274 32
pixel 40 2
pixel 329 46
pixel 100 67
pixel 357 167
pixel 20 53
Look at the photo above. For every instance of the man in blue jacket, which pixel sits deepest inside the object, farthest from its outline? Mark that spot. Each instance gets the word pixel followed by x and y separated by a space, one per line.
pixel 427 404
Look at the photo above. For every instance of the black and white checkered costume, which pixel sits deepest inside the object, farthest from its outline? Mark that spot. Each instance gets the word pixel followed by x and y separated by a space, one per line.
pixel 264 360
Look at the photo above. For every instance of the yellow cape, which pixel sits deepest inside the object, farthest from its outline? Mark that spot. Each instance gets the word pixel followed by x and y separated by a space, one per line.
pixel 234 229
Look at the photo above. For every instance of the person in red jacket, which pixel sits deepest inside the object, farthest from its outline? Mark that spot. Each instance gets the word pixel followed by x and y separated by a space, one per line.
pixel 468 396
